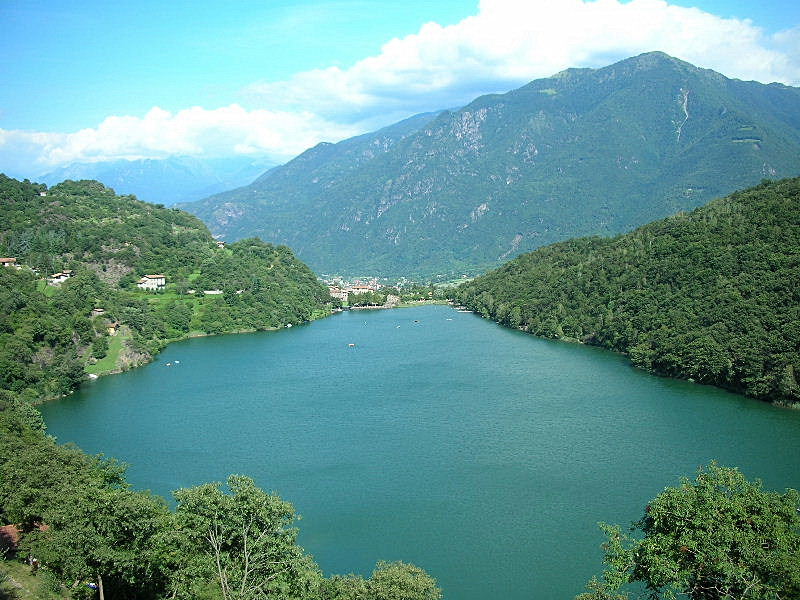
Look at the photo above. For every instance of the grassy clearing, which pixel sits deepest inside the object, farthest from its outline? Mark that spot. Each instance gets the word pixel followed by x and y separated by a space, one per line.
pixel 47 290
pixel 161 297
pixel 409 303
pixel 16 582
pixel 111 360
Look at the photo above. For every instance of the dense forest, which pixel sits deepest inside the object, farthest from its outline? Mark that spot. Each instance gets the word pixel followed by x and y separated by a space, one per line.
pixel 712 295
pixel 88 530
pixel 98 320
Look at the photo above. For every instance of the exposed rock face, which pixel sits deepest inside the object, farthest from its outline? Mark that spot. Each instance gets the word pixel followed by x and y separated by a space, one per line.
pixel 583 152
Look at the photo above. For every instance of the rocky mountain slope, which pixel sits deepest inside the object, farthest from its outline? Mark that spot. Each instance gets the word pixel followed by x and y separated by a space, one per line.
pixel 587 151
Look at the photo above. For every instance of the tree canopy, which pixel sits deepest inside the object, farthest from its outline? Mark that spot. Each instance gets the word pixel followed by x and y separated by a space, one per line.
pixel 712 295
pixel 718 537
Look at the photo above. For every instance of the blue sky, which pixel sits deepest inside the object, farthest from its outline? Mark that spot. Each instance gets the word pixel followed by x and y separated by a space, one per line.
pixel 93 81
pixel 101 58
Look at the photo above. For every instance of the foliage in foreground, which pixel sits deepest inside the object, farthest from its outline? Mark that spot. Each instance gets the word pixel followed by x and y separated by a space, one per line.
pixel 719 537
pixel 220 543
pixel 712 295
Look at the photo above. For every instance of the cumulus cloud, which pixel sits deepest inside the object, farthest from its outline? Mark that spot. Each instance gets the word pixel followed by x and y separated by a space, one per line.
pixel 195 131
pixel 506 44
pixel 510 42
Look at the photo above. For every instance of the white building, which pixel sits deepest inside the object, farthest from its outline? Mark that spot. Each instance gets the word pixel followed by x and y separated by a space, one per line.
pixel 152 282
pixel 337 292
pixel 59 278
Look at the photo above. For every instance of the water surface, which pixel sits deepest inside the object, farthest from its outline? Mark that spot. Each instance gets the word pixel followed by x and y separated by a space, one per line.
pixel 485 455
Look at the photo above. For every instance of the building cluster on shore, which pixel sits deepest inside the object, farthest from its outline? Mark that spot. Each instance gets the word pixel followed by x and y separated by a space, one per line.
pixel 342 289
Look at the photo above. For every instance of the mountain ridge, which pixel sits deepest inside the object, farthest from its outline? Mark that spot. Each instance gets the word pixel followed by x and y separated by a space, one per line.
pixel 165 181
pixel 586 151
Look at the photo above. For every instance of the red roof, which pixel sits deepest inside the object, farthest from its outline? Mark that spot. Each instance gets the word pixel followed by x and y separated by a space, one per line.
pixel 9 537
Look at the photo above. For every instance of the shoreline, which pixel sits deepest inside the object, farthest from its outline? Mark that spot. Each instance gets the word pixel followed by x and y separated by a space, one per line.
pixel 409 304
pixel 122 368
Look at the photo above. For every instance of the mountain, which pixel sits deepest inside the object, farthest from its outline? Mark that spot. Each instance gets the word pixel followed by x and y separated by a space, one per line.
pixel 165 181
pixel 712 295
pixel 587 151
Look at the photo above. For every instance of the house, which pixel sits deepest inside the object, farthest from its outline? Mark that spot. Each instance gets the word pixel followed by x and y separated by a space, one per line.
pixel 10 536
pixel 9 262
pixel 361 289
pixel 9 539
pixel 152 282
pixel 112 328
pixel 96 312
pixel 337 292
pixel 43 193
pixel 220 244
pixel 59 278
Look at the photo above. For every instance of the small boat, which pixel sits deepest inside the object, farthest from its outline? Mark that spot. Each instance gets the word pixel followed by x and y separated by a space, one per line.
pixel 169 364
pixel 351 345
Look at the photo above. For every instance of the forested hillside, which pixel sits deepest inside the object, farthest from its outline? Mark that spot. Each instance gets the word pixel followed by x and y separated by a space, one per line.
pixel 98 320
pixel 712 295
pixel 584 152
pixel 86 527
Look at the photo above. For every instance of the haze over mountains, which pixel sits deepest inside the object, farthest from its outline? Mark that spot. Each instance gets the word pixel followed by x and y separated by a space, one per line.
pixel 586 151
pixel 168 180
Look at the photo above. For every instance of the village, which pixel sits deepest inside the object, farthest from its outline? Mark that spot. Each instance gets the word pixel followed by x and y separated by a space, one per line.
pixel 342 289
pixel 338 287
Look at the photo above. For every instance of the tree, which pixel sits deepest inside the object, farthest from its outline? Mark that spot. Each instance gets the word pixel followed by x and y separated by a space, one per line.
pixel 401 581
pixel 718 537
pixel 243 542
pixel 102 534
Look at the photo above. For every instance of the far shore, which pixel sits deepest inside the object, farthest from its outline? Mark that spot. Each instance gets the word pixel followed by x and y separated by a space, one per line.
pixel 399 305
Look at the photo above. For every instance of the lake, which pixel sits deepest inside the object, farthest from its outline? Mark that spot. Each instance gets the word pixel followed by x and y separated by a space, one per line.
pixel 482 454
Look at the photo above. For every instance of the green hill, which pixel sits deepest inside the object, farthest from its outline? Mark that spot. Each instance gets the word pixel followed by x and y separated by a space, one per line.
pixel 585 152
pixel 51 335
pixel 76 514
pixel 712 295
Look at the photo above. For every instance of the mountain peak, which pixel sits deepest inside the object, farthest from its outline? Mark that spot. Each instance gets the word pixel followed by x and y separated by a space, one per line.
pixel 589 151
pixel 654 60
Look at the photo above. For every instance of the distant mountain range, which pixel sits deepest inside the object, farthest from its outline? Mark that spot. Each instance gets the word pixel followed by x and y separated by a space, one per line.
pixel 165 181
pixel 587 151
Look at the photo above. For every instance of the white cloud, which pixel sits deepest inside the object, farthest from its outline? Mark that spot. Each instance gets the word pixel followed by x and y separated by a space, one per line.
pixel 506 44
pixel 510 42
pixel 191 132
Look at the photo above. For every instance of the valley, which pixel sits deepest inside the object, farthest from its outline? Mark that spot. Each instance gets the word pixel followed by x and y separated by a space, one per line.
pixel 648 207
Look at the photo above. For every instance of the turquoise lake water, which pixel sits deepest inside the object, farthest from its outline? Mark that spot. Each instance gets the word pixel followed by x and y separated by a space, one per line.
pixel 482 454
